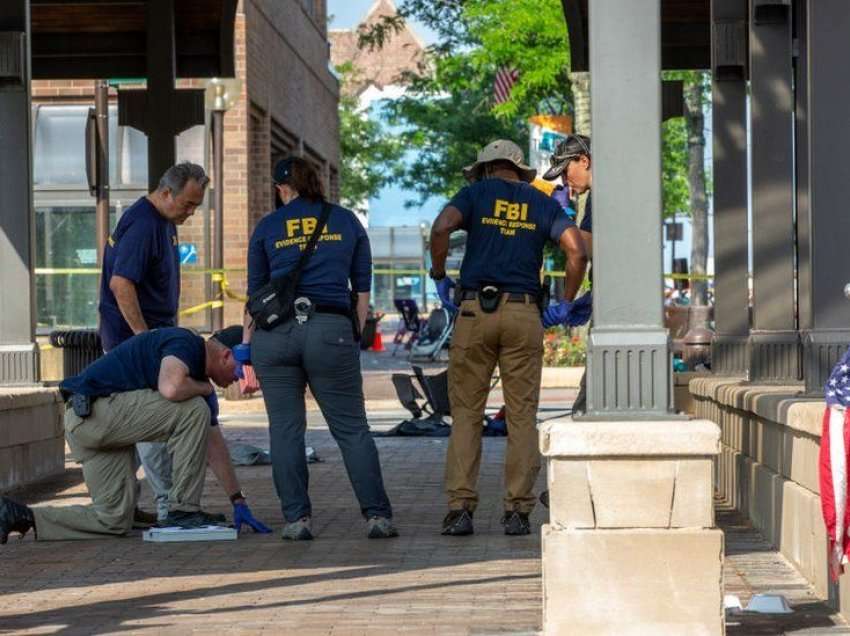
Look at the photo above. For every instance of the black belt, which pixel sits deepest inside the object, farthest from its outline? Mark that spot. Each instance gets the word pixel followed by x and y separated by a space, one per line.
pixel 471 294
pixel 332 309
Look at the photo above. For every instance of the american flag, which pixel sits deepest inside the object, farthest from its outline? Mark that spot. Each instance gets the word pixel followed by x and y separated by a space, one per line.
pixel 833 464
pixel 504 83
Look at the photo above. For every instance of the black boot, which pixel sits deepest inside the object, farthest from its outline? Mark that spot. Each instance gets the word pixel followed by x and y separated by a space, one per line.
pixel 516 523
pixel 458 523
pixel 14 518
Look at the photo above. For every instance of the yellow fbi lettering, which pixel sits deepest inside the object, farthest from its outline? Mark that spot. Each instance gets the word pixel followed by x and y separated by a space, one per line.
pixel 509 217
pixel 298 232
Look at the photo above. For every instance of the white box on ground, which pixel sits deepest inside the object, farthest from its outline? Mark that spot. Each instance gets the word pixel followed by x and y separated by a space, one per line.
pixel 175 534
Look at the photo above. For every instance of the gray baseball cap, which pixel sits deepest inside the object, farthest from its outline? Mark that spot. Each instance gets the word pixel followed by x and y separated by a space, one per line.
pixel 500 150
pixel 567 149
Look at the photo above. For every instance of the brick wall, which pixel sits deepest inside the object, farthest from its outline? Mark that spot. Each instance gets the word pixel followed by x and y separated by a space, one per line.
pixel 288 103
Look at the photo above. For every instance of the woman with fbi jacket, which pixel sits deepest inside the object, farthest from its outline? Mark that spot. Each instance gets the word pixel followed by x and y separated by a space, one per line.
pixel 318 347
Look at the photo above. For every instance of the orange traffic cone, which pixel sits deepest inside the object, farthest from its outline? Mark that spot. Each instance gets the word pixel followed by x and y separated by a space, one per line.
pixel 378 342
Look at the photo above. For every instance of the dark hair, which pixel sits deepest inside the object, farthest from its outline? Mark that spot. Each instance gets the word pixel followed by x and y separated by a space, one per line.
pixel 304 179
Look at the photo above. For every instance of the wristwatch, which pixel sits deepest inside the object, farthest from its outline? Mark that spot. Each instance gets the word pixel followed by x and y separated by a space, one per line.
pixel 436 277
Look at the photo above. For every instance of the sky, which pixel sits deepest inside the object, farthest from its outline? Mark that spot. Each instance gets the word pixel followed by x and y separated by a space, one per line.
pixel 387 209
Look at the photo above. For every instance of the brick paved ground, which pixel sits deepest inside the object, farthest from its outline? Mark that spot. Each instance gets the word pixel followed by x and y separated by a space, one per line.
pixel 341 583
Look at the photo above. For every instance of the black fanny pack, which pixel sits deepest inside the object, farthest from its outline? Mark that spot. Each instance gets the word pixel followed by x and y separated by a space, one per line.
pixel 274 303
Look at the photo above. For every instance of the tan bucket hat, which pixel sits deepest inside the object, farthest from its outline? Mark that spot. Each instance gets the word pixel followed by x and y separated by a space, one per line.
pixel 500 150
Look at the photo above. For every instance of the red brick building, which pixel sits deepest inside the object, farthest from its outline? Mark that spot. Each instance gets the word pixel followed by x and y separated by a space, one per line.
pixel 288 105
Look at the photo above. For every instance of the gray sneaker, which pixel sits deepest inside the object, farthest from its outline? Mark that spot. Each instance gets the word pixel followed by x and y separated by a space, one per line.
pixel 380 528
pixel 301 530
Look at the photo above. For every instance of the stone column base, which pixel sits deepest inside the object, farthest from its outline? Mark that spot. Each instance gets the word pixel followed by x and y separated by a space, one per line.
pixel 632 581
pixel 19 364
pixel 775 357
pixel 631 547
pixel 822 349
pixel 730 355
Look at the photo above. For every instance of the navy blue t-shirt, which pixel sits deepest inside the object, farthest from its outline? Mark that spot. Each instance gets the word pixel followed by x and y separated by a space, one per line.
pixel 143 249
pixel 134 364
pixel 508 224
pixel 342 260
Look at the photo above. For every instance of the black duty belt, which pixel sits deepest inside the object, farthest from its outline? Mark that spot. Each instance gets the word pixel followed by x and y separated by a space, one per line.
pixel 471 294
pixel 332 309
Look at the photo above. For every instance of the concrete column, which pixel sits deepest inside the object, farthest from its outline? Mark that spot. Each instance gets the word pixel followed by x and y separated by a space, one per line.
pixel 775 346
pixel 730 350
pixel 824 134
pixel 18 351
pixel 629 362
pixel 611 566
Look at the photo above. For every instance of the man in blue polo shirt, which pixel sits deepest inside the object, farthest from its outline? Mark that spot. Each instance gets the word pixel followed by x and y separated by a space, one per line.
pixel 140 283
pixel 154 387
pixel 508 224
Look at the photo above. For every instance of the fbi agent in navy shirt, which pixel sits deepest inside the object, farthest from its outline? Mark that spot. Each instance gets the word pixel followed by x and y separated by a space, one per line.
pixel 140 284
pixel 571 161
pixel 317 348
pixel 154 387
pixel 508 223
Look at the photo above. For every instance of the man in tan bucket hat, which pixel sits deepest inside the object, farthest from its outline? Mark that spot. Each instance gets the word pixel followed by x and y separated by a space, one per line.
pixel 508 223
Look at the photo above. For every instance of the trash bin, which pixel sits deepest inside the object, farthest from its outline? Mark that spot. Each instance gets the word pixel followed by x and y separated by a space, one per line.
pixel 80 348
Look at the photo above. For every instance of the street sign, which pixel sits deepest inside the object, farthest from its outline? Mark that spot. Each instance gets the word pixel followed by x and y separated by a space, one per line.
pixel 188 253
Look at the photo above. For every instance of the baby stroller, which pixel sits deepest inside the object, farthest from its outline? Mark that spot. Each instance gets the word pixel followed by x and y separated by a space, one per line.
pixel 427 399
pixel 433 337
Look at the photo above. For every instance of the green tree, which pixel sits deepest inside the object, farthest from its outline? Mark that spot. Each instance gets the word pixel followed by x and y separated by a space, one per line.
pixel 370 153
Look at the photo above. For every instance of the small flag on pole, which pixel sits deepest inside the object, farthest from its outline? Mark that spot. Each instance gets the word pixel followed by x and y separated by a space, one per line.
pixel 504 83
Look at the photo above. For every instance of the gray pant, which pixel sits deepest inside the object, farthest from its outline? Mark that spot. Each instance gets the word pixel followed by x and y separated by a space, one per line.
pixel 321 353
pixel 155 459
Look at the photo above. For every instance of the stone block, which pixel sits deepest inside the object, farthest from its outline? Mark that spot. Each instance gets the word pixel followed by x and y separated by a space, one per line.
pixel 693 505
pixel 820 549
pixel 632 493
pixel 30 424
pixel 27 463
pixel 643 582
pixel 570 505
pixel 801 464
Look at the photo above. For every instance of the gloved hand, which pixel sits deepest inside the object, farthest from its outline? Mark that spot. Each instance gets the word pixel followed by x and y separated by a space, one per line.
pixel 444 291
pixel 242 353
pixel 242 515
pixel 581 310
pixel 212 402
pixel 556 314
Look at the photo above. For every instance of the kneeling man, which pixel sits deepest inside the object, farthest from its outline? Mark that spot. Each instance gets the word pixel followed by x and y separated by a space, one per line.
pixel 154 387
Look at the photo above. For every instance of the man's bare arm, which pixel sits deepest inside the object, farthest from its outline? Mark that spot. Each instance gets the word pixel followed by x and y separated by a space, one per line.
pixel 362 308
pixel 449 220
pixel 218 458
pixel 128 302
pixel 176 385
pixel 572 246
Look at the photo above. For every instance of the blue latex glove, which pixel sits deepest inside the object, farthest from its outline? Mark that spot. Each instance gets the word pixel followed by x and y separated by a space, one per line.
pixel 581 310
pixel 242 515
pixel 212 402
pixel 242 353
pixel 444 291
pixel 556 314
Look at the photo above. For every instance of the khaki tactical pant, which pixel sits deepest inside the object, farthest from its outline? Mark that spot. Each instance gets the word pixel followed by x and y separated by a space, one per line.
pixel 105 442
pixel 512 336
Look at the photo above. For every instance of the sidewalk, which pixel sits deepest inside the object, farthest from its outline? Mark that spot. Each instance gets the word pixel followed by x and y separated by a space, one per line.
pixel 341 583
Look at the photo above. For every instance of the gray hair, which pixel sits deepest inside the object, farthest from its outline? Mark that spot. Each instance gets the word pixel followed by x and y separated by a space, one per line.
pixel 176 177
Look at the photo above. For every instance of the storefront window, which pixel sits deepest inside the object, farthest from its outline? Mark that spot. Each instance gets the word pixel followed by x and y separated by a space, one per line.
pixel 66 286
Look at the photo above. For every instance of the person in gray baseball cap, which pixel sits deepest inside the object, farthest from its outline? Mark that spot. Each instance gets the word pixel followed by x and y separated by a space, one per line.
pixel 498 305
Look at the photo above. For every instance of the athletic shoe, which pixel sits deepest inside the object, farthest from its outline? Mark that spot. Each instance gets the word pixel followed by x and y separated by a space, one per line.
pixel 458 523
pixel 301 530
pixel 143 520
pixel 380 528
pixel 14 517
pixel 516 523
